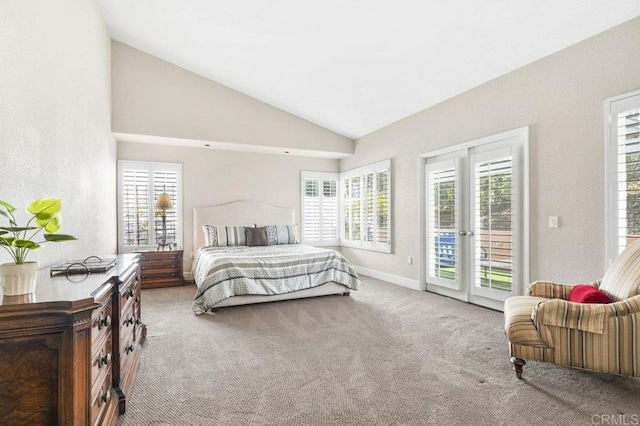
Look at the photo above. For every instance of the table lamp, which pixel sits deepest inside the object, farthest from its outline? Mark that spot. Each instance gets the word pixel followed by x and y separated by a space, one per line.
pixel 164 203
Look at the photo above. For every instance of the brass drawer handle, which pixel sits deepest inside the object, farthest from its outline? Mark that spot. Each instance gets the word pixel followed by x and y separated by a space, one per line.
pixel 104 359
pixel 104 397
pixel 129 348
pixel 138 321
pixel 129 293
pixel 129 321
pixel 104 322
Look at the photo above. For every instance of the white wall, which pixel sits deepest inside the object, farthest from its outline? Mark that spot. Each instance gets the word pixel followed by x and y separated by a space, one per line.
pixel 155 98
pixel 561 98
pixel 55 121
pixel 212 177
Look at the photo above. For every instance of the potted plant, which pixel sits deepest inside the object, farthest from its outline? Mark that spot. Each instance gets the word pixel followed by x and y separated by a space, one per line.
pixel 19 277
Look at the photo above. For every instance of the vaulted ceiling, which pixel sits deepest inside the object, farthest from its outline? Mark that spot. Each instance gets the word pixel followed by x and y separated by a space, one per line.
pixel 354 66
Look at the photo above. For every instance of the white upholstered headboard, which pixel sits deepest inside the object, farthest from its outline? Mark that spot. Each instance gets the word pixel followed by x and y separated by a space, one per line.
pixel 238 213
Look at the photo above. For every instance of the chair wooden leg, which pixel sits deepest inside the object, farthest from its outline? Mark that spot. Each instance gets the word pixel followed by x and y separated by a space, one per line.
pixel 518 363
pixel 346 293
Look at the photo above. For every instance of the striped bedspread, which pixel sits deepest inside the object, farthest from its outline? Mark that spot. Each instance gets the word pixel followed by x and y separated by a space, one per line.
pixel 222 272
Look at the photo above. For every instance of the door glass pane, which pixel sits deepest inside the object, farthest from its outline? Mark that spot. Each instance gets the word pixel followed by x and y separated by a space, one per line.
pixel 493 224
pixel 442 219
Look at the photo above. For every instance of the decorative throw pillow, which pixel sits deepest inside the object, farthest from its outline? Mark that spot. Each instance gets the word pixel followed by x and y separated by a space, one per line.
pixel 282 234
pixel 210 235
pixel 583 293
pixel 257 236
pixel 223 236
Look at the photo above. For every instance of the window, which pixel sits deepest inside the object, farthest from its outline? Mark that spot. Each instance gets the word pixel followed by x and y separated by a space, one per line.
pixel 139 186
pixel 366 207
pixel 320 208
pixel 623 172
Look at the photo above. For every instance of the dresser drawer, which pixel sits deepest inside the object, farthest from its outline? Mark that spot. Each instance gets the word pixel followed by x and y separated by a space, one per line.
pixel 164 256
pixel 101 324
pixel 160 273
pixel 129 293
pixel 101 399
pixel 101 362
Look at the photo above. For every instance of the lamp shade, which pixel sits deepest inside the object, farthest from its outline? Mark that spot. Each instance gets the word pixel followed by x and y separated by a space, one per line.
pixel 164 202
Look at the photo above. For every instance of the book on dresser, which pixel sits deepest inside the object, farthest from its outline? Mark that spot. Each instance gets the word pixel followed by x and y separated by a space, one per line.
pixel 161 268
pixel 69 352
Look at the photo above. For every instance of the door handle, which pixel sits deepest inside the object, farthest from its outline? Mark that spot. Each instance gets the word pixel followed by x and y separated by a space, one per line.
pixel 462 233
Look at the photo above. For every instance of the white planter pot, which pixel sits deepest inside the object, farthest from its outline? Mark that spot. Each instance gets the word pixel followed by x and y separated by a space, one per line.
pixel 18 279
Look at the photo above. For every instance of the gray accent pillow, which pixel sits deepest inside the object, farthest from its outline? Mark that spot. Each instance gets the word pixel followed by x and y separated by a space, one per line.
pixel 257 236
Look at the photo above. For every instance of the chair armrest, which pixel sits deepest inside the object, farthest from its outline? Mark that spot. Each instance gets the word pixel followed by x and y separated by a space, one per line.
pixel 551 290
pixel 591 317
pixel 625 307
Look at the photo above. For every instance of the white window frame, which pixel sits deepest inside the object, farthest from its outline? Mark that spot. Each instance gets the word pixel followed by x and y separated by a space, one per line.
pixel 363 171
pixel 150 167
pixel 612 107
pixel 321 176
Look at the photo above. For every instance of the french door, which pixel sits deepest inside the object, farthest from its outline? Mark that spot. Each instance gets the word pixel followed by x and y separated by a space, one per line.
pixel 475 222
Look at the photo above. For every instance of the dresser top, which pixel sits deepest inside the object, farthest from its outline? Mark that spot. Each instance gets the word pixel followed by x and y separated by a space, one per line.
pixel 75 291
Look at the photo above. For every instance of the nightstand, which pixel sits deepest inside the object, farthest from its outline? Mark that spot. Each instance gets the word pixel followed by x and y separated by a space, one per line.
pixel 161 268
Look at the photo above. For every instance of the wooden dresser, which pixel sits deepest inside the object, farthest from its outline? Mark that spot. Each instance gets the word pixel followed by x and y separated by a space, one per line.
pixel 69 351
pixel 161 268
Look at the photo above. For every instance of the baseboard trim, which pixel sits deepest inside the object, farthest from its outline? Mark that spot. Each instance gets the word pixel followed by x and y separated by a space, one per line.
pixel 393 279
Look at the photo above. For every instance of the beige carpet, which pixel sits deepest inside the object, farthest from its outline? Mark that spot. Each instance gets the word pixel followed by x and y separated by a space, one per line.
pixel 386 355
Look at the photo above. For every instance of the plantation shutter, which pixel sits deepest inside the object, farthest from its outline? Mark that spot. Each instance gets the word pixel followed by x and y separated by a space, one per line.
pixel 495 220
pixel 442 220
pixel 139 186
pixel 166 181
pixel 135 207
pixel 320 208
pixel 627 126
pixel 366 207
pixel 330 210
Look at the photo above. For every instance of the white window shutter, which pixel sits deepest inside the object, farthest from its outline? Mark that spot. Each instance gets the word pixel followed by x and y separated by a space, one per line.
pixel 139 186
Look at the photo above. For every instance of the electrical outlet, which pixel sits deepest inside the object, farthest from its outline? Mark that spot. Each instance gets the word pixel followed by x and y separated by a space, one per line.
pixel 553 222
pixel 410 260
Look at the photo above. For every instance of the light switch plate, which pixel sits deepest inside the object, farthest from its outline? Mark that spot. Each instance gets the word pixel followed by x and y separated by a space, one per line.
pixel 553 222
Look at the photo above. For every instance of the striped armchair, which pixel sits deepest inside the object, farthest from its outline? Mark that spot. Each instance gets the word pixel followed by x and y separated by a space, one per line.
pixel 545 326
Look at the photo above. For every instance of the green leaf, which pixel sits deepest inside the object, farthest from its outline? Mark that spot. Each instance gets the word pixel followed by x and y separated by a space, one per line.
pixel 18 228
pixel 6 241
pixel 5 214
pixel 7 206
pixel 43 222
pixel 25 244
pixel 45 208
pixel 55 238
pixel 53 225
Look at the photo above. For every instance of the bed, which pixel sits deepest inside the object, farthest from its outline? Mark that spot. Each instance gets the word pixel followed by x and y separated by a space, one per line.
pixel 228 272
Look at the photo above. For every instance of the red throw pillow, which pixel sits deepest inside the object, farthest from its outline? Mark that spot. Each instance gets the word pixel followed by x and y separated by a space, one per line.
pixel 583 293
